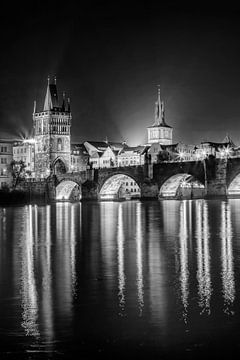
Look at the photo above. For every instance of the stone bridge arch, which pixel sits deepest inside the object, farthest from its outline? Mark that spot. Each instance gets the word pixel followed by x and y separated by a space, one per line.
pixel 68 190
pixel 120 186
pixel 233 177
pixel 163 171
pixel 136 173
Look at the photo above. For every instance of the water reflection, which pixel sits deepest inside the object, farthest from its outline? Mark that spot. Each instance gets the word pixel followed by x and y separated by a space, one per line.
pixel 120 251
pixel 118 256
pixel 203 256
pixel 183 252
pixel 46 263
pixel 228 282
pixel 139 240
pixel 72 241
pixel 28 282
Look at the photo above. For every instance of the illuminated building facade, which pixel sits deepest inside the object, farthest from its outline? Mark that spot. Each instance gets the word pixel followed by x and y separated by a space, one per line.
pixel 132 156
pixel 79 158
pixel 159 132
pixel 103 154
pixel 129 189
pixel 5 160
pixel 25 151
pixel 52 135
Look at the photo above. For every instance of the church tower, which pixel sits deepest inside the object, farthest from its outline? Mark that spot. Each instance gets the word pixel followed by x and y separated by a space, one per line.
pixel 51 128
pixel 159 132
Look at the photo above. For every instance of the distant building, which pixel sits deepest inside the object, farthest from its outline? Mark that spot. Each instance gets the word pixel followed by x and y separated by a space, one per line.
pixel 79 158
pixel 129 189
pixel 132 156
pixel 6 157
pixel 52 134
pixel 159 132
pixel 103 153
pixel 25 151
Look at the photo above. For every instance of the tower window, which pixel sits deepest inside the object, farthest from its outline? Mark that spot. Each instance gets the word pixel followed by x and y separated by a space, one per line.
pixel 59 145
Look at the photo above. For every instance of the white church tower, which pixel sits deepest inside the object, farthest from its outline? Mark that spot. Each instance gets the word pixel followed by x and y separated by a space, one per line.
pixel 159 132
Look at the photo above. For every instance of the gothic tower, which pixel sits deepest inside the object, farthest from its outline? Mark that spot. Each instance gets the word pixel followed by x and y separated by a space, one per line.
pixel 52 136
pixel 159 132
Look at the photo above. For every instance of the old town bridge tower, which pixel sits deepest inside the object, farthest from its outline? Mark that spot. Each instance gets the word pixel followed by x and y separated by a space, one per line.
pixel 52 134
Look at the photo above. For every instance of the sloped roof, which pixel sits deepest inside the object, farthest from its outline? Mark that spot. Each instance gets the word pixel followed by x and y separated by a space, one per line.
pixel 51 98
pixel 137 149
pixel 160 125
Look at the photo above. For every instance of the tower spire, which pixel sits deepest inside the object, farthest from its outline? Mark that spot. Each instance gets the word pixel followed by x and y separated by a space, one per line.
pixel 68 107
pixel 158 108
pixel 34 106
pixel 64 102
pixel 162 114
pixel 51 97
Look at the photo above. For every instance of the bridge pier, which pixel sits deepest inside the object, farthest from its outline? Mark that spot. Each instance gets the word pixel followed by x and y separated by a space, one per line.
pixel 216 182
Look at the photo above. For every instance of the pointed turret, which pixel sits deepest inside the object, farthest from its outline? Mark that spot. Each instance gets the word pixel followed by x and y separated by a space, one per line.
pixel 68 105
pixel 51 98
pixel 64 102
pixel 162 114
pixel 34 106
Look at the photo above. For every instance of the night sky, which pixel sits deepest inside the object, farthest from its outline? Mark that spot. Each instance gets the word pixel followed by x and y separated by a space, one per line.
pixel 109 60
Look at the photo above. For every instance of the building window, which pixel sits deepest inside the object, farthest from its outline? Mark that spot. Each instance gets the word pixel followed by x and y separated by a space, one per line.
pixel 59 145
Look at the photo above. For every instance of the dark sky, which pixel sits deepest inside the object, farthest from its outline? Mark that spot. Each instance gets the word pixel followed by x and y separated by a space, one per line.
pixel 109 60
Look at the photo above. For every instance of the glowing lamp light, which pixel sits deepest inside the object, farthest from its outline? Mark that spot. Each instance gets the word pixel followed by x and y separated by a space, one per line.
pixel 29 141
pixel 204 153
pixel 181 155
pixel 184 183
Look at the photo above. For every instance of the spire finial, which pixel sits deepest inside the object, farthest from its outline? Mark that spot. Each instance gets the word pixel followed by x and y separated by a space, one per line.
pixel 68 100
pixel 34 106
pixel 158 108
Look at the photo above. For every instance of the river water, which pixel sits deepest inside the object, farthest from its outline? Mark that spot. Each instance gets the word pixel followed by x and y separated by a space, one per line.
pixel 120 280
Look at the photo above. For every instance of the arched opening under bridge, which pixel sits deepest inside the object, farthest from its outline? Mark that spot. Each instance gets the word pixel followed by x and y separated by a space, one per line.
pixel 120 187
pixel 234 187
pixel 68 190
pixel 182 186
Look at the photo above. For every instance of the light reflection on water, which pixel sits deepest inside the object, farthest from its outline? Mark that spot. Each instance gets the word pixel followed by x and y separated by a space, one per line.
pixel 203 256
pixel 80 272
pixel 228 282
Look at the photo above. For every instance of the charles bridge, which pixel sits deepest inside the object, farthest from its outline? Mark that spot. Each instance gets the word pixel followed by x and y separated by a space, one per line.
pixel 216 175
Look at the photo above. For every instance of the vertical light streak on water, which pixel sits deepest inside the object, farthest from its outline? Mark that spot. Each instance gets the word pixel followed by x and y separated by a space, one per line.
pixel 120 247
pixel 28 283
pixel 228 281
pixel 36 224
pixel 184 273
pixel 203 256
pixel 63 277
pixel 72 247
pixel 139 238
pixel 46 260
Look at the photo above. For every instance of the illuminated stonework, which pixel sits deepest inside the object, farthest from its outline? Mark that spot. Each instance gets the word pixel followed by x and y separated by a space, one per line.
pixel 120 187
pixel 68 189
pixel 181 185
pixel 52 133
pixel 234 187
